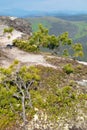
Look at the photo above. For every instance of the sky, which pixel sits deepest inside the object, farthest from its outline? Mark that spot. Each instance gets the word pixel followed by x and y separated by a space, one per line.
pixel 44 5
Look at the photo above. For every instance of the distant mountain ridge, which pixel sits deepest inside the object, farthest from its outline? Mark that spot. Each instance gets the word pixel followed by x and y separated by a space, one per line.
pixel 78 17
pixel 34 13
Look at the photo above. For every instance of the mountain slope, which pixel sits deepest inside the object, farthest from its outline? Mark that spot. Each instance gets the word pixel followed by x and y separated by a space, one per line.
pixel 56 26
pixel 58 95
pixel 77 29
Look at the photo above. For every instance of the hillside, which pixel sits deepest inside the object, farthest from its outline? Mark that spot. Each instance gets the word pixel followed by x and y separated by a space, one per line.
pixel 50 95
pixel 77 17
pixel 55 25
pixel 76 27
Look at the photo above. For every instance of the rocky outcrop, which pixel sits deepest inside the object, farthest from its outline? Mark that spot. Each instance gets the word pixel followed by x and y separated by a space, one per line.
pixel 19 24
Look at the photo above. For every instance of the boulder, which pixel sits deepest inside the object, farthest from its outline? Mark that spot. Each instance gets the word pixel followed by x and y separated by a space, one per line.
pixel 19 24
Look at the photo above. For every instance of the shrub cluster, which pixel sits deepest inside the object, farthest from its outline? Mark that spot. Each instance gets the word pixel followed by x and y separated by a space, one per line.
pixel 41 38
pixel 8 30
pixel 68 68
pixel 25 45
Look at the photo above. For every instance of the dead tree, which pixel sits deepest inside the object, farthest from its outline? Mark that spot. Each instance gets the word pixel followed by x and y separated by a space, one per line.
pixel 22 93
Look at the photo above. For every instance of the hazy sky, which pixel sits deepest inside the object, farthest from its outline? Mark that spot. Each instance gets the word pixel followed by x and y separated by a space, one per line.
pixel 44 5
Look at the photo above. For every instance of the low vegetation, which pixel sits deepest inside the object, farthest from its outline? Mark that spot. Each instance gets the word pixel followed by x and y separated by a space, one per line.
pixel 14 95
pixel 8 30
pixel 26 45
pixel 52 91
pixel 68 68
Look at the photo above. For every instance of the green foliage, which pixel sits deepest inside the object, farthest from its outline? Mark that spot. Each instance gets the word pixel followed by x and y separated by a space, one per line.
pixel 8 30
pixel 78 50
pixel 13 84
pixel 65 53
pixel 83 96
pixel 68 68
pixel 63 98
pixel 35 22
pixel 62 101
pixel 37 99
pixel 77 29
pixel 29 73
pixel 59 95
pixel 25 45
pixel 9 37
pixel 51 93
pixel 79 67
pixel 41 38
pixel 55 25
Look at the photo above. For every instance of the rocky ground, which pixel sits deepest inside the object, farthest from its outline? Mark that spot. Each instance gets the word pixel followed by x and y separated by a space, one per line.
pixel 7 55
pixel 18 23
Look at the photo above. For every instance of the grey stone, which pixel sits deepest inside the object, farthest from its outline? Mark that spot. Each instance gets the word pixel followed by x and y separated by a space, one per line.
pixel 19 24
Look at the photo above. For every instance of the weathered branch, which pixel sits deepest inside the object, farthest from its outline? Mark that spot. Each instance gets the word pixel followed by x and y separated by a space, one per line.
pixel 23 92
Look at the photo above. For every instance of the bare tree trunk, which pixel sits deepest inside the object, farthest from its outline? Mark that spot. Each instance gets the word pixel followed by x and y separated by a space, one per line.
pixel 29 98
pixel 24 113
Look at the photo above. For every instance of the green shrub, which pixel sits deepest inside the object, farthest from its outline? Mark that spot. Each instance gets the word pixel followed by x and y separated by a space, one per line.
pixel 8 30
pixel 11 91
pixel 41 38
pixel 79 67
pixel 25 45
pixel 9 37
pixel 68 68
